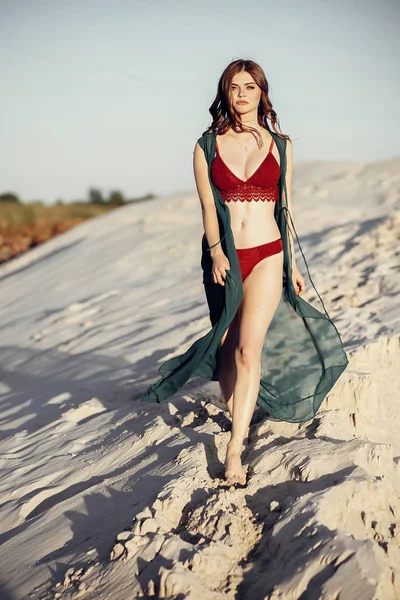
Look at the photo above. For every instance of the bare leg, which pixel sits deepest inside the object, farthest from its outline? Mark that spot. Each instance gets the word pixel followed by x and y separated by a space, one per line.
pixel 227 368
pixel 262 290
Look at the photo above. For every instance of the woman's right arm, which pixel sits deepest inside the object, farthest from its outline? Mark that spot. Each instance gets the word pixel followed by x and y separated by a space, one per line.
pixel 209 215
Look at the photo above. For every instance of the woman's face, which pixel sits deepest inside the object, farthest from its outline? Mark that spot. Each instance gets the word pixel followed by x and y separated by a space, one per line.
pixel 245 93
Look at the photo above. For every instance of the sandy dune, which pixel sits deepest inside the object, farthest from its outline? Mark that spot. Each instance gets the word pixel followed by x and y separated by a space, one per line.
pixel 106 497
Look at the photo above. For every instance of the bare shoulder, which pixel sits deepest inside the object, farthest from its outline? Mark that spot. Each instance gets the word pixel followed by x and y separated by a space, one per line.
pixel 199 145
pixel 199 156
pixel 289 157
pixel 289 148
pixel 201 175
pixel 198 151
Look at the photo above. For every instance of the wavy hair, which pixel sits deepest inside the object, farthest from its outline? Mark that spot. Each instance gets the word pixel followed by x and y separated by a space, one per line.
pixel 222 112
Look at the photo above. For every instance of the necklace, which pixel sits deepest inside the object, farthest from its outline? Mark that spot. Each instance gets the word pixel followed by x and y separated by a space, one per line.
pixel 245 147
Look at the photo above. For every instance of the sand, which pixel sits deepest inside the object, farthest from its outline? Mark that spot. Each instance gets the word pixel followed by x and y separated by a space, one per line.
pixel 104 497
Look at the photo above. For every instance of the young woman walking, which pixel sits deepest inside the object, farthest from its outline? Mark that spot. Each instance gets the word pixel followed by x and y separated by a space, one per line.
pixel 246 172
pixel 267 345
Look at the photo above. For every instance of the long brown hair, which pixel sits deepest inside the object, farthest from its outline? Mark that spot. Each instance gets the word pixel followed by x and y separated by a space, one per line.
pixel 222 111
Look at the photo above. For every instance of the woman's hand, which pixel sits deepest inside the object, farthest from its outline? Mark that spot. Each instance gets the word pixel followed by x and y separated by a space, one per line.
pixel 219 267
pixel 298 281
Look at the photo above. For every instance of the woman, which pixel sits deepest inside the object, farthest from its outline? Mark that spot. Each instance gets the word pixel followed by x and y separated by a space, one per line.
pixel 265 347
pixel 246 172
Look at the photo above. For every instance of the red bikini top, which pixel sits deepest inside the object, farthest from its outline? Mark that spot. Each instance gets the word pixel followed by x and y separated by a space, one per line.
pixel 261 185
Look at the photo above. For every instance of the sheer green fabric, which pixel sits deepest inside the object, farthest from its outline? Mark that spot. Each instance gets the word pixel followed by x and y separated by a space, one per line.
pixel 302 355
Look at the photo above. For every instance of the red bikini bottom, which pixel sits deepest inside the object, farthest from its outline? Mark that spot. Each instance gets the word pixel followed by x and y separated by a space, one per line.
pixel 249 257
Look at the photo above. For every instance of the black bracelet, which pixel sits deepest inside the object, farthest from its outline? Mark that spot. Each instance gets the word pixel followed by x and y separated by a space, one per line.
pixel 216 244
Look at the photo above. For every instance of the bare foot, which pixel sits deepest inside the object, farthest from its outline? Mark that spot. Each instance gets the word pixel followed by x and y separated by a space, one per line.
pixel 234 472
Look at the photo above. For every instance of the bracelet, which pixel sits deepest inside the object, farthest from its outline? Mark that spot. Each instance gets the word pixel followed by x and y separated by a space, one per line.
pixel 216 244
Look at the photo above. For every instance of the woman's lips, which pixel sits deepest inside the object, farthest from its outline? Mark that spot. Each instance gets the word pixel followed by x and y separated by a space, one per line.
pixel 242 102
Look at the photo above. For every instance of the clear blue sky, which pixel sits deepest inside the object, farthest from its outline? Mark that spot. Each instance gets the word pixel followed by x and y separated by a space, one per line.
pixel 115 94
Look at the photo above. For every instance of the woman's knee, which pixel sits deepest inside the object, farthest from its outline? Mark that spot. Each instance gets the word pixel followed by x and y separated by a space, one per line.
pixel 247 356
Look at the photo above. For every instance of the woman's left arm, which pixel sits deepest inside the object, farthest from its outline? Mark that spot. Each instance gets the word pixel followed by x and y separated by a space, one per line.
pixel 297 278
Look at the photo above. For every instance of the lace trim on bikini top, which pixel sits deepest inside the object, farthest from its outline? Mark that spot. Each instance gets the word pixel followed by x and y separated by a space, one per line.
pixel 261 185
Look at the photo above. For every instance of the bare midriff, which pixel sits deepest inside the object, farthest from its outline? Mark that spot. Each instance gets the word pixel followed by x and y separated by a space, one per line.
pixel 253 223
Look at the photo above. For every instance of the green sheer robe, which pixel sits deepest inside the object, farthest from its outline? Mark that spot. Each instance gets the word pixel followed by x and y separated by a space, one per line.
pixel 302 355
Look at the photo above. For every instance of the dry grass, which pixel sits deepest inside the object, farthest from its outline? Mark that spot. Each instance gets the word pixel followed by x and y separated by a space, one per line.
pixel 23 226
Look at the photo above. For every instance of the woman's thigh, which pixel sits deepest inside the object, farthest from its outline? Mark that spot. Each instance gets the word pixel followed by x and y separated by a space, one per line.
pixel 262 291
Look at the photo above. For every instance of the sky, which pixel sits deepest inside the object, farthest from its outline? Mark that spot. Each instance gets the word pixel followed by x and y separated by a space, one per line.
pixel 114 95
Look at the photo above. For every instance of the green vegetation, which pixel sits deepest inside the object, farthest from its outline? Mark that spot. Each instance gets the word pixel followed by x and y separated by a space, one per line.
pixel 23 226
